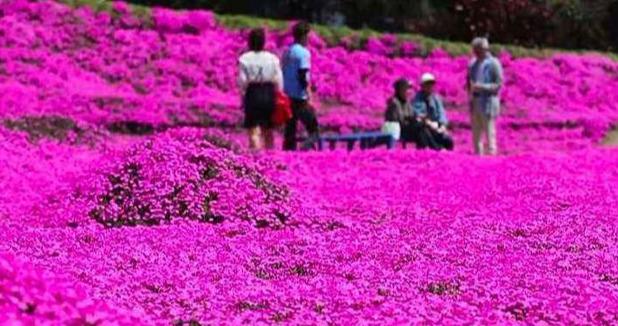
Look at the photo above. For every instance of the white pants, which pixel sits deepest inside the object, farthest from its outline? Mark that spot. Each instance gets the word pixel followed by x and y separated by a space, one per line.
pixel 482 124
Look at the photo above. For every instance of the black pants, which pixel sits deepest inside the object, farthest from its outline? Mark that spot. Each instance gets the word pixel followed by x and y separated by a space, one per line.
pixel 425 137
pixel 300 111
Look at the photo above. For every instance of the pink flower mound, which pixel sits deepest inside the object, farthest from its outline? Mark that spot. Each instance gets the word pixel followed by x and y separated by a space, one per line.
pixel 29 296
pixel 179 177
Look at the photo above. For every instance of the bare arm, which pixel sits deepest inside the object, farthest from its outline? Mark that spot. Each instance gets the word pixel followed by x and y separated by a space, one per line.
pixel 279 76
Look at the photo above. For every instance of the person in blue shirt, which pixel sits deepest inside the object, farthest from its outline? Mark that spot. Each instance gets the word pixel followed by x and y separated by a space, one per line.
pixel 296 80
pixel 430 118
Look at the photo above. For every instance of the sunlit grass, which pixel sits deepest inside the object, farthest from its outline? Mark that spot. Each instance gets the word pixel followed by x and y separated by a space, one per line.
pixel 334 35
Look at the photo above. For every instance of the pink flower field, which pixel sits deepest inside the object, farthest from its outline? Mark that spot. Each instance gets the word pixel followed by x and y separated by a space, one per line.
pixel 128 196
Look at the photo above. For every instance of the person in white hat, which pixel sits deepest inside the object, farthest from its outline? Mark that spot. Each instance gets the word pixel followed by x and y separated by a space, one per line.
pixel 431 122
pixel 484 82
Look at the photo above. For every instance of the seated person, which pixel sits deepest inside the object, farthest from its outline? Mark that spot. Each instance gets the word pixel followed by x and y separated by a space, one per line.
pixel 398 116
pixel 430 119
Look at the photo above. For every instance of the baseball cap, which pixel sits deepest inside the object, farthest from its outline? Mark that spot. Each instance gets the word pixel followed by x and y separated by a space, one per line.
pixel 428 78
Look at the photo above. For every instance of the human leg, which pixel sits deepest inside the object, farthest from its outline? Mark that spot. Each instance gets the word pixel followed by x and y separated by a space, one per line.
pixel 445 141
pixel 308 117
pixel 254 138
pixel 491 135
pixel 289 142
pixel 476 119
pixel 309 120
pixel 407 134
pixel 268 138
pixel 423 136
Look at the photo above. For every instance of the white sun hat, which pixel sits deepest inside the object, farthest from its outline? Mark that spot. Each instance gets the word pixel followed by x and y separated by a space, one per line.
pixel 428 78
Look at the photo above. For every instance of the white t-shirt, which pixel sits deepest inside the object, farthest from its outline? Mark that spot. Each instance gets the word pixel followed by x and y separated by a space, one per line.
pixel 259 67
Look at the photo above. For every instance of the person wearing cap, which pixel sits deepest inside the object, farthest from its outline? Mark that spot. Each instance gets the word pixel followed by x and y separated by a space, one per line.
pixel 430 117
pixel 485 79
pixel 398 115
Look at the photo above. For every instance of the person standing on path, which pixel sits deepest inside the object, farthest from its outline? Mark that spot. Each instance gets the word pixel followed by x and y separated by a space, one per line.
pixel 259 78
pixel 484 81
pixel 296 76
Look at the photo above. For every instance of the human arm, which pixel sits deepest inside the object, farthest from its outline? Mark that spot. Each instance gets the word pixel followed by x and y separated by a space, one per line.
pixel 304 68
pixel 278 75
pixel 419 111
pixel 469 73
pixel 243 78
pixel 303 78
pixel 468 82
pixel 496 76
pixel 442 119
pixel 391 114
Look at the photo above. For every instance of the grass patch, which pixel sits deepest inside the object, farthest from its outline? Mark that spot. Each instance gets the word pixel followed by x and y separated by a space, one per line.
pixel 334 35
pixel 611 139
pixel 139 11
pixel 96 5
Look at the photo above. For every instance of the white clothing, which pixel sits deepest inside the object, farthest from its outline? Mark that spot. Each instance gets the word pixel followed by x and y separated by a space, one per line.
pixel 259 67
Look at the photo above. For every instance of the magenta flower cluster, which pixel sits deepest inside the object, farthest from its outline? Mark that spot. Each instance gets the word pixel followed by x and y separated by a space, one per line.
pixel 127 198
pixel 181 175
pixel 29 296
pixel 110 68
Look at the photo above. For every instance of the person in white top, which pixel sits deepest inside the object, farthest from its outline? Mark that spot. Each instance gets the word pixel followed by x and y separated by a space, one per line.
pixel 259 78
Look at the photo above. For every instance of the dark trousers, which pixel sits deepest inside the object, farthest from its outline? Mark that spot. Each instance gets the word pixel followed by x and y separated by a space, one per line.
pixel 303 112
pixel 425 137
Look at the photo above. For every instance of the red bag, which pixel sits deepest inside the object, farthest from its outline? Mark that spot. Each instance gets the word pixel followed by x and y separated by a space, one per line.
pixel 283 109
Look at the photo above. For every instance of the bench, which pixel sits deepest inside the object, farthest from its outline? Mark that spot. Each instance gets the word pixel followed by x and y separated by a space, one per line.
pixel 366 140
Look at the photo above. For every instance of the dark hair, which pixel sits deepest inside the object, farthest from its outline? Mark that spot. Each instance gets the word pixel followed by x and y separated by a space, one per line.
pixel 301 30
pixel 401 83
pixel 257 39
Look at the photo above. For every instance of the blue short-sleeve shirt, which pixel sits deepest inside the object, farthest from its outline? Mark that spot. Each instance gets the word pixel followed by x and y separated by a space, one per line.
pixel 297 57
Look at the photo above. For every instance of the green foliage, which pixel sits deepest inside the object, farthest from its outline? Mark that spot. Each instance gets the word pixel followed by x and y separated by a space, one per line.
pixel 141 12
pixel 97 5
pixel 241 22
pixel 334 35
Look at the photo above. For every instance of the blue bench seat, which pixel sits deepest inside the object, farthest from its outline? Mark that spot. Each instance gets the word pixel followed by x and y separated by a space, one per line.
pixel 366 140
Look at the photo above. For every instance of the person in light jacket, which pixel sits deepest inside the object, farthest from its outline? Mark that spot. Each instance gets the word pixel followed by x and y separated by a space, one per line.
pixel 484 82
